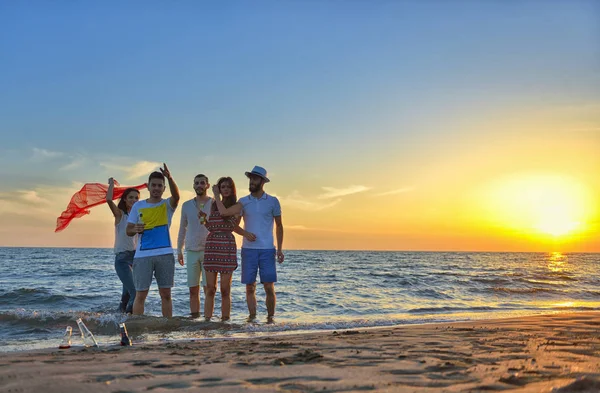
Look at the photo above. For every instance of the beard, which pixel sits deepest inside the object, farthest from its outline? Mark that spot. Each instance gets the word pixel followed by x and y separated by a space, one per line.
pixel 254 187
pixel 200 192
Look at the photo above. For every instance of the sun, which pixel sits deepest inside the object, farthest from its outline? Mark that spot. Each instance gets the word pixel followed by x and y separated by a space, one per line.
pixel 557 225
pixel 542 205
pixel 555 209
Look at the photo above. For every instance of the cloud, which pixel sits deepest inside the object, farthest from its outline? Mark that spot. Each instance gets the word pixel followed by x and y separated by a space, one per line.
pixel 331 192
pixel 297 201
pixel 31 196
pixel 76 163
pixel 303 228
pixel 43 154
pixel 398 191
pixel 297 227
pixel 23 197
pixel 141 168
pixel 135 171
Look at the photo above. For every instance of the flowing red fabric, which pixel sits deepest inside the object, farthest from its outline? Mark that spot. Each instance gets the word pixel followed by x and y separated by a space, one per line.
pixel 90 195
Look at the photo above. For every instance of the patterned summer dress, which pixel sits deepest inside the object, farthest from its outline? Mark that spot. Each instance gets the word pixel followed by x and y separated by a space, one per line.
pixel 220 250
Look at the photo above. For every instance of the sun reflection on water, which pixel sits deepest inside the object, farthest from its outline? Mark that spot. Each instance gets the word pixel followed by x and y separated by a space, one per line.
pixel 557 262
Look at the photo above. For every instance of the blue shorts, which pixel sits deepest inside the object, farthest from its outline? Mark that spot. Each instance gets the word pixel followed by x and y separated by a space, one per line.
pixel 258 261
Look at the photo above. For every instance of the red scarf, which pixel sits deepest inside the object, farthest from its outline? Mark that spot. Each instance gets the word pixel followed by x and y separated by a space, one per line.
pixel 90 195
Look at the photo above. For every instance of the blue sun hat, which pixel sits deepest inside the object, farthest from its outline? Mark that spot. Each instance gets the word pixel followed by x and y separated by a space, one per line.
pixel 260 172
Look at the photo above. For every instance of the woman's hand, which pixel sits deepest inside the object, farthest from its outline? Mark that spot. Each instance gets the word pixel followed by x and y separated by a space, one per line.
pixel 216 191
pixel 249 236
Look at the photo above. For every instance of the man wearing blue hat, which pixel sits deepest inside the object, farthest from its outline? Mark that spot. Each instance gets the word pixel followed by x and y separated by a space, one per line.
pixel 259 211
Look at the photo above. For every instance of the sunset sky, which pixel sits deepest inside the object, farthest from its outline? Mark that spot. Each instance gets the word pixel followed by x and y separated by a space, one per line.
pixel 403 125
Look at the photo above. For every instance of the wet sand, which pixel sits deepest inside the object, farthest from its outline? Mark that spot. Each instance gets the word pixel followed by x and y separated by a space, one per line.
pixel 551 353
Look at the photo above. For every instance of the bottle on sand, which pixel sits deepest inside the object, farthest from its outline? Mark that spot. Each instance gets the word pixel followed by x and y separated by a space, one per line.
pixel 86 335
pixel 125 341
pixel 66 341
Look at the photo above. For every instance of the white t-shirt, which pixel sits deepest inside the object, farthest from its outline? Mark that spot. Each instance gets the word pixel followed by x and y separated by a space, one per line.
pixel 155 240
pixel 191 232
pixel 122 241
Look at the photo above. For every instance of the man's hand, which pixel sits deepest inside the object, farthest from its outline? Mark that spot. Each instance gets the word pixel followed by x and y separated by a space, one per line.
pixel 280 256
pixel 249 236
pixel 180 258
pixel 165 171
pixel 111 181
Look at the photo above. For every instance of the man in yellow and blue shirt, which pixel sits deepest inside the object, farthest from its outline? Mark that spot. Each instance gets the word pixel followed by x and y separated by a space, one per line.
pixel 151 219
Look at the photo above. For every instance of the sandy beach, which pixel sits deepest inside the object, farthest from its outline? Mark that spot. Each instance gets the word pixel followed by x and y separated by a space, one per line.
pixel 559 353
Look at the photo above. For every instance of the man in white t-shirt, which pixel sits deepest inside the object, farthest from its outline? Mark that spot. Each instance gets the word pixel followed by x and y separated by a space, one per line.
pixel 151 219
pixel 192 234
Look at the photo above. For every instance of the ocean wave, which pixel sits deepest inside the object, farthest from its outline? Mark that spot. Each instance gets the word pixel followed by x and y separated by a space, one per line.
pixel 537 281
pixel 525 291
pixel 491 281
pixel 427 310
pixel 35 296
pixel 105 323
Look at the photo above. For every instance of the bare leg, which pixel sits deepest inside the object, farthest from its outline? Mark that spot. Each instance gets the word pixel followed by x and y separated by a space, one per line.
pixel 226 296
pixel 271 298
pixel 166 302
pixel 195 301
pixel 211 290
pixel 251 299
pixel 140 300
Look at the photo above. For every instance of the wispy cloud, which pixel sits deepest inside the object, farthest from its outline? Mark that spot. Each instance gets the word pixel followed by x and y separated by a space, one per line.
pixel 313 229
pixel 23 200
pixel 331 192
pixel 297 227
pixel 31 196
pixel 43 154
pixel 297 201
pixel 74 164
pixel 135 171
pixel 398 191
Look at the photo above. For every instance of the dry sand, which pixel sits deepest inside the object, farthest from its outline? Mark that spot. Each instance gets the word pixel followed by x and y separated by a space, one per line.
pixel 559 353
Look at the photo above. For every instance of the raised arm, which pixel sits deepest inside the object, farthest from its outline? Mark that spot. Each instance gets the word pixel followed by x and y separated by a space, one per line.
pixel 172 186
pixel 117 213
pixel 234 210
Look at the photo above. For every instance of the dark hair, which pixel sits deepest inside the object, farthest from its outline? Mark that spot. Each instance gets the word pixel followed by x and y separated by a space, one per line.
pixel 201 175
pixel 123 201
pixel 156 175
pixel 231 199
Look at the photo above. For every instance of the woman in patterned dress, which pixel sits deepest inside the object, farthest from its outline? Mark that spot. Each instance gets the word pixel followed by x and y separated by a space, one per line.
pixel 220 250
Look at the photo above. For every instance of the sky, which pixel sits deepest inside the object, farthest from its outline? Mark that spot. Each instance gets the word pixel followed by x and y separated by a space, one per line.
pixel 383 125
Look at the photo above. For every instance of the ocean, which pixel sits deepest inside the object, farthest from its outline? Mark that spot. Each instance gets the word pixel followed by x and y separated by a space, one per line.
pixel 43 290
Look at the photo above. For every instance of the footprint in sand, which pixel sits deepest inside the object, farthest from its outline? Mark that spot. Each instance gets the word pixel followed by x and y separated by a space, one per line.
pixel 171 385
